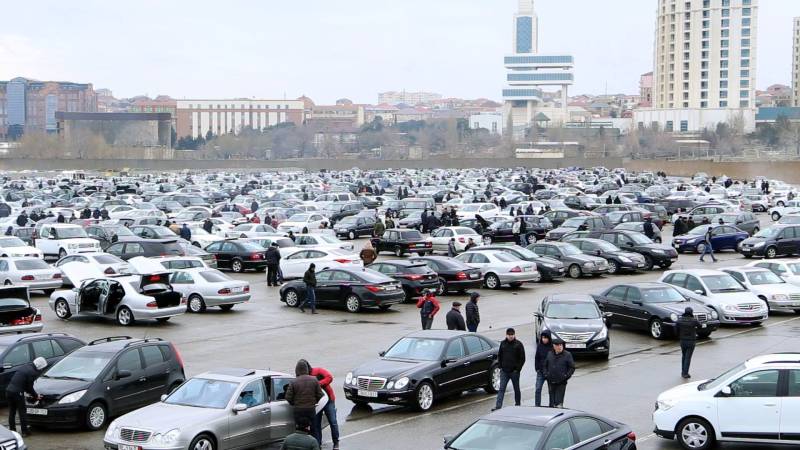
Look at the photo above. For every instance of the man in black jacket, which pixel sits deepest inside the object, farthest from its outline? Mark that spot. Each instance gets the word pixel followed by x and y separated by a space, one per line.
pixel 558 369
pixel 473 313
pixel 310 280
pixel 304 392
pixel 543 348
pixel 21 383
pixel 273 262
pixel 455 321
pixel 510 358
pixel 208 226
pixel 687 333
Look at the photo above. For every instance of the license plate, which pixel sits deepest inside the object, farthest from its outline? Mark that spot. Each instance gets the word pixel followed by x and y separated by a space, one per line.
pixel 474 276
pixel 237 289
pixel 419 245
pixel 576 345
pixel 37 411
pixel 676 245
pixel 703 325
pixel 640 265
pixel 128 447
pixel 528 269
pixel 363 393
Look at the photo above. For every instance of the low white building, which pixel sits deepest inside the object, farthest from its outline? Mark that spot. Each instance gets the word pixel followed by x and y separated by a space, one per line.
pixel 490 121
pixel 693 120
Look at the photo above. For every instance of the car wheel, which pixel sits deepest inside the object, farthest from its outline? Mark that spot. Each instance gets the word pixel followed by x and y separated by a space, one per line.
pixel 291 298
pixel 613 267
pixel 771 253
pixel 776 216
pixel 700 248
pixel 62 253
pixel 202 442
pixel 305 230
pixel 531 239
pixel 648 262
pixel 423 396
pixel 575 271
pixel 487 240
pixel 398 251
pixel 657 329
pixel 96 416
pixel 124 316
pixel 695 433
pixel 666 265
pixel 196 304
pixel 62 309
pixel 494 380
pixel 352 303
pixel 441 289
pixel 351 235
pixel 492 281
pixel 237 265
pixel 226 307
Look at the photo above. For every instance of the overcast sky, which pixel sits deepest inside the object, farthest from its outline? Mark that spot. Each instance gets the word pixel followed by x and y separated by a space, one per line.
pixel 343 48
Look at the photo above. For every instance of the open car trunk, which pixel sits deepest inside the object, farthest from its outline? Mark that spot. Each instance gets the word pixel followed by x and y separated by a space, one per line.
pixel 158 287
pixel 15 308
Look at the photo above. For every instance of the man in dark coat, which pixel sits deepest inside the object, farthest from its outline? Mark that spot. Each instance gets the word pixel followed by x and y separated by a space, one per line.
pixel 310 280
pixel 208 226
pixel 511 359
pixel 254 206
pixel 20 384
pixel 22 219
pixel 304 392
pixel 273 262
pixel 60 218
pixel 679 227
pixel 301 439
pixel 454 319
pixel 558 369
pixel 186 233
pixel 544 346
pixel 473 312
pixel 687 333
pixel 647 227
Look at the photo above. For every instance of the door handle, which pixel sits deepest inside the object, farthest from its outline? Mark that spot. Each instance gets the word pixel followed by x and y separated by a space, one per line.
pixel 143 379
pixel 468 363
pixel 770 404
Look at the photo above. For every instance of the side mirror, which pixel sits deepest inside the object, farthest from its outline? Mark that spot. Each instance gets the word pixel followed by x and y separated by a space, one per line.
pixel 726 391
pixel 163 397
pixel 381 354
pixel 699 292
pixel 447 439
pixel 5 367
pixel 239 407
pixel 123 374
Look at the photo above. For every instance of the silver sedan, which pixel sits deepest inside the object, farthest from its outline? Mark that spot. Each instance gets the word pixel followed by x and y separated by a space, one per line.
pixel 106 262
pixel 31 272
pixel 209 287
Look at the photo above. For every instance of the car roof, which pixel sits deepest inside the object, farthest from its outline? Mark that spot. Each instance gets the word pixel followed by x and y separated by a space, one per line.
pixel 571 298
pixel 117 343
pixel 234 374
pixel 698 272
pixel 747 269
pixel 774 358
pixel 438 334
pixel 14 338
pixel 529 415
pixel 646 284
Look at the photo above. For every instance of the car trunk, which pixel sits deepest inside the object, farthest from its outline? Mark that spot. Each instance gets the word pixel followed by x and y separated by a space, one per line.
pixel 15 308
pixel 158 287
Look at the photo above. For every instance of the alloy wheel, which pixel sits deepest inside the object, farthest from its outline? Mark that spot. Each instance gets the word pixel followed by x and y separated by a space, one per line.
pixel 353 303
pixel 771 253
pixel 531 239
pixel 612 267
pixel 291 298
pixel 492 282
pixel 62 309
pixel 496 378
pixel 656 329
pixel 203 444
pixel 236 266
pixel 425 397
pixel 574 271
pixel 124 316
pixel 97 416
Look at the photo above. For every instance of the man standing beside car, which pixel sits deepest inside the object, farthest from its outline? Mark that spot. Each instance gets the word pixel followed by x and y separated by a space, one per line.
pixel 558 369
pixel 473 312
pixel 455 321
pixel 273 262
pixel 310 280
pixel 687 333
pixel 544 346
pixel 303 393
pixel 511 358
pixel 20 384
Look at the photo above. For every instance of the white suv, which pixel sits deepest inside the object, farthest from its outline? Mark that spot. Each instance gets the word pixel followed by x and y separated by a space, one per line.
pixel 61 239
pixel 757 401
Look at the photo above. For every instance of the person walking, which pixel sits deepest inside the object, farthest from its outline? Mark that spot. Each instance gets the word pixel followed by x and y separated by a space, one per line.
pixel 544 346
pixel 708 249
pixel 378 229
pixel 559 366
pixel 186 233
pixel 473 312
pixel 310 280
pixel 273 257
pixel 451 248
pixel 368 254
pixel 208 226
pixel 325 380
pixel 304 392
pixel 22 383
pixel 647 227
pixel 428 307
pixel 454 319
pixel 301 439
pixel 511 359
pixel 687 333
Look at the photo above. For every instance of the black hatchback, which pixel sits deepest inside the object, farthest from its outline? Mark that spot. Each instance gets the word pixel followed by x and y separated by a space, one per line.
pixel 106 378
pixel 416 277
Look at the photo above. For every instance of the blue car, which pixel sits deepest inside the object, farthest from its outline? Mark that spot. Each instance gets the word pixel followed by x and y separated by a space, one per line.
pixel 723 237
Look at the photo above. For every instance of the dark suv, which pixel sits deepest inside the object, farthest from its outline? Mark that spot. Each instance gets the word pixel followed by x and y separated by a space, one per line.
pixel 20 349
pixel 146 247
pixel 106 378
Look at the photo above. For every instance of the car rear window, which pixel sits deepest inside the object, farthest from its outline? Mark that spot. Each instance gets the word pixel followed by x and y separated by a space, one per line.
pixel 108 259
pixel 31 264
pixel 251 247
pixel 410 235
pixel 422 268
pixel 173 249
pixel 214 276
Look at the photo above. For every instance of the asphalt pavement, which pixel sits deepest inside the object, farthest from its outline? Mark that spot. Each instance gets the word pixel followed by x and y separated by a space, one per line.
pixel 266 334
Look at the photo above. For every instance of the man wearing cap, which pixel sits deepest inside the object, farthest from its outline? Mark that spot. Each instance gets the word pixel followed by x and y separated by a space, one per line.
pixel 455 321
pixel 510 358
pixel 428 307
pixel 558 369
pixel 21 383
pixel 687 333
pixel 473 313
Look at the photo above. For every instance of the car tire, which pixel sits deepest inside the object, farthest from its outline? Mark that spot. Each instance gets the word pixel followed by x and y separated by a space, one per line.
pixel 699 248
pixel 398 251
pixel 196 304
pixel 666 265
pixel 575 271
pixel 531 239
pixel 351 235
pixel 237 266
pixel 292 298
pixel 226 308
pixel 96 416
pixel 494 380
pixel 781 204
pixel 203 442
pixel 424 396
pixel 775 216
pixel 442 288
pixel 487 240
pixel 694 433
pixel 125 316
pixel 771 253
pixel 62 309
pixel 613 267
pixel 656 328
pixel 648 262
pixel 62 253
pixel 492 281
pixel 352 303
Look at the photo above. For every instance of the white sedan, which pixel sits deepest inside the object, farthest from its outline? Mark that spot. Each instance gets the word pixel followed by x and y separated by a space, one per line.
pixel 106 262
pixel 202 238
pixel 499 268
pixel 789 207
pixel 440 238
pixel 246 230
pixel 14 246
pixel 485 210
pixel 769 287
pixel 789 271
pixel 322 242
pixel 31 272
pixel 296 264
pixel 302 223
pixel 205 287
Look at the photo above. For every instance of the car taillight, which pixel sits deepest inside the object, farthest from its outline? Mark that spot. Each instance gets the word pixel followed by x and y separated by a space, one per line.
pixel 37 317
pixel 413 277
pixel 152 304
pixel 632 436
pixel 255 256
pixel 224 291
pixel 343 261
pixel 461 276
pixel 246 289
pixel 516 269
pixel 428 244
pixel 177 354
pixel 27 278
pixel 154 278
pixel 109 271
pixel 373 288
pixel 57 276
pixel 461 239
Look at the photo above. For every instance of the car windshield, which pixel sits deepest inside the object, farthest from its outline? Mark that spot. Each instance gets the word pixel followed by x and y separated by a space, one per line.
pixel 242 227
pixel 661 295
pixel 69 232
pixel 722 283
pixel 790 219
pixel 299 218
pixel 767 233
pixel 417 349
pixel 203 393
pixel 251 247
pixel 715 383
pixel 574 222
pixel 492 435
pixel 31 264
pixel 606 246
pixel 11 242
pixel 80 366
pixel 567 310
pixel 763 277
pixel 349 220
pixel 569 250
pixel 214 276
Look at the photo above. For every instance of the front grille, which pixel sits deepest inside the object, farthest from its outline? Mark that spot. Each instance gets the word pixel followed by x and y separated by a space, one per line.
pixel 701 317
pixel 85 245
pixel 575 337
pixel 371 383
pixel 748 307
pixel 8 445
pixel 131 435
pixel 794 297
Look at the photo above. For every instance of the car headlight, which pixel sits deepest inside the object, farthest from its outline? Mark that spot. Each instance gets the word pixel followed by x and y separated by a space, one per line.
pixel 401 383
pixel 18 438
pixel 729 308
pixel 349 378
pixel 714 314
pixel 588 264
pixel 71 398
pixel 779 297
pixel 73 246
pixel 602 334
pixel 624 259
pixel 759 244
pixel 549 266
pixel 112 430
pixel 166 438
pixel 664 405
pixel 390 385
pixel 658 251
pixel 673 317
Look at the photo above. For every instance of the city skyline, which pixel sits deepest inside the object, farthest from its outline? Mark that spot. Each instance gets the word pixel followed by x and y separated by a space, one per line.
pixel 200 51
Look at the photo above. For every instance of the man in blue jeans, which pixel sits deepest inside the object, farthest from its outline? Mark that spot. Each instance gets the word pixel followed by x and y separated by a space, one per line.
pixel 310 280
pixel 325 379
pixel 543 346
pixel 510 358
pixel 708 249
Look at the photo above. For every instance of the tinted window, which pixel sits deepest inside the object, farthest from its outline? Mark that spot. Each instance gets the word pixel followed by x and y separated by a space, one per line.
pixel 588 428
pixel 152 355
pixel 794 383
pixel 130 361
pixel 473 344
pixel 43 348
pixel 455 350
pixel 18 355
pixel 693 284
pixel 561 437
pixel 618 293
pixel 69 344
pixel 133 248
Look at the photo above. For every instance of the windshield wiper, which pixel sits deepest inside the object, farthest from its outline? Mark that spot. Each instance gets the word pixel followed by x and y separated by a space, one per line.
pixel 65 377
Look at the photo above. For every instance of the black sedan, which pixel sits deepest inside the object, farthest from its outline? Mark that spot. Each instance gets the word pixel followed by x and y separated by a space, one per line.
pixel 351 289
pixel 401 242
pixel 618 260
pixel 353 227
pixel 238 255
pixel 416 277
pixel 550 268
pixel 453 274
pixel 425 366
pixel 661 255
pixel 576 319
pixel 574 260
pixel 501 231
pixel 543 429
pixel 653 306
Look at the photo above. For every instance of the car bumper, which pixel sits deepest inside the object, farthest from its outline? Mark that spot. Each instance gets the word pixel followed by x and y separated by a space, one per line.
pixel 727 317
pixel 550 273
pixel 159 313
pixel 684 246
pixel 631 266
pixel 216 300
pixel 417 287
pixel 521 277
pixel 784 305
pixel 41 284
pixel 601 347
pixel 591 270
pixel 116 445
pixel 32 328
pixel 667 258
pixel 254 265
pixel 752 251
pixel 383 396
pixel 705 327
pixel 666 422
pixel 75 251
pixel 67 416
pixel 458 285
pixel 378 299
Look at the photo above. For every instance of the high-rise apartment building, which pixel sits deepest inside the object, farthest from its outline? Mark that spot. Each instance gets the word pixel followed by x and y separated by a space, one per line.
pixel 796 63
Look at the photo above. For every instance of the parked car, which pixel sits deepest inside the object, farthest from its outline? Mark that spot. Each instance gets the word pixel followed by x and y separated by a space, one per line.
pixel 17 315
pixel 558 216
pixel 250 230
pixel 789 271
pixel 771 242
pixel 723 237
pixel 453 274
pixel 303 223
pixel 502 230
pixel 33 273
pixel 401 242
pixel 106 262
pixel 618 260
pixel 423 367
pixel 108 234
pixel 575 319
pixel 639 228
pixel 768 286
pixel 500 268
pixel 238 256
pixel 576 262
pixel 415 277
pixel 582 223
pixel 129 249
pixel 14 246
pixel 549 268
pixel 353 227
pixel 440 238
pixel 321 241
pixel 351 289
pixel 191 251
pixel 61 239
pixel 485 210
pixel 745 221
pixel 661 255
pixel 295 264
pixel 204 287
pixel 104 379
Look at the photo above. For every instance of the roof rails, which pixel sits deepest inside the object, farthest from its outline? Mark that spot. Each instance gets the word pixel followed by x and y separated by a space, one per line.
pixel 143 341
pixel 109 339
pixel 23 338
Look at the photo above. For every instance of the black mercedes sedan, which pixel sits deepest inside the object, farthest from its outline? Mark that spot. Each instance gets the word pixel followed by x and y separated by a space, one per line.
pixel 550 268
pixel 576 319
pixel 453 274
pixel 618 259
pixel 543 429
pixel 653 306
pixel 353 289
pixel 661 255
pixel 501 231
pixel 425 366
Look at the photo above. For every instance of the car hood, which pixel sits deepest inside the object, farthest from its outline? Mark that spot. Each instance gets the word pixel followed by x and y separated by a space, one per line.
pixel 754 240
pixel 79 272
pixel 152 417
pixel 680 392
pixel 585 258
pixel 562 230
pixel 25 249
pixel 547 260
pixel 58 388
pixel 689 237
pixel 388 368
pixel 680 307
pixel 782 288
pixel 574 325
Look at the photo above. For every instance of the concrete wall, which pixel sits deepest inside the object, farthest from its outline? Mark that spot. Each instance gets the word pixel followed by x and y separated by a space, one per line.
pixel 788 171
